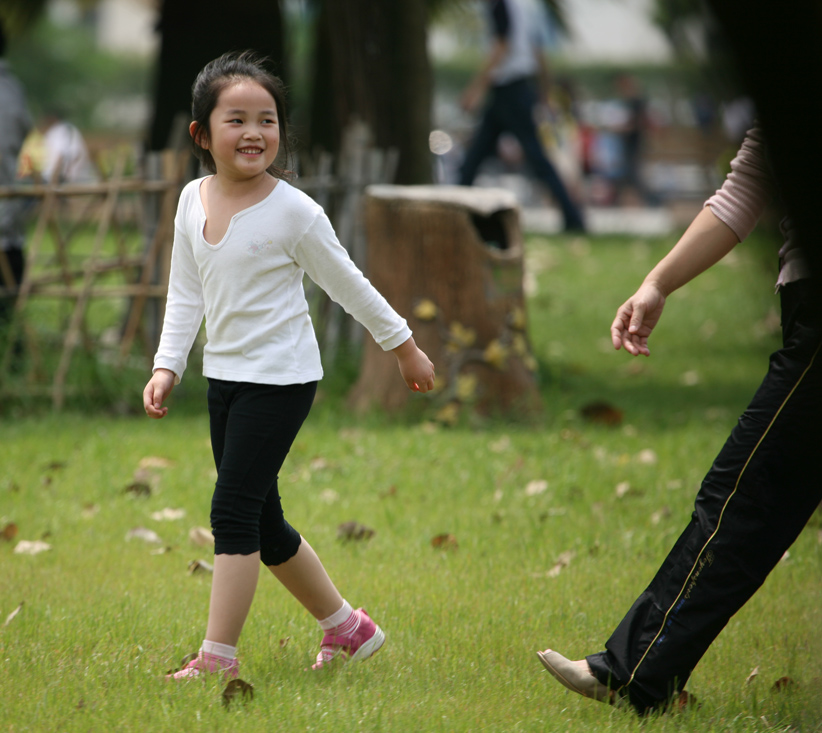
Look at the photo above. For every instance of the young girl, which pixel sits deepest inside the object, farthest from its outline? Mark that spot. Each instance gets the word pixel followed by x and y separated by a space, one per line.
pixel 243 239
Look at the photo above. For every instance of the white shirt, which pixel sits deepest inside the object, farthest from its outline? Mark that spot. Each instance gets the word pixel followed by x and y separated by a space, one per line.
pixel 249 286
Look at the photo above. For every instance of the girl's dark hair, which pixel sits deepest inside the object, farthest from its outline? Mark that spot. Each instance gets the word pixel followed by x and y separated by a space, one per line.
pixel 216 75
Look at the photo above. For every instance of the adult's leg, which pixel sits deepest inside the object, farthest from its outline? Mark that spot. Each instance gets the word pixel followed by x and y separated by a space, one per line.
pixel 753 503
pixel 484 143
pixel 252 429
pixel 516 110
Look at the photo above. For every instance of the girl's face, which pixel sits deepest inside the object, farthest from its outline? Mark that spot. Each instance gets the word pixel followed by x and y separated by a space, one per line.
pixel 245 132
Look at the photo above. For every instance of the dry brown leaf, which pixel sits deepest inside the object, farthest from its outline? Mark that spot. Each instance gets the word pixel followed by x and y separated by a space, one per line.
pixel 138 488
pixel 27 547
pixel 201 536
pixel 354 531
pixel 9 532
pixel 752 676
pixel 237 688
pixel 284 642
pixel 444 542
pixel 11 616
pixel 602 412
pixel 784 684
pixel 142 533
pixel 199 566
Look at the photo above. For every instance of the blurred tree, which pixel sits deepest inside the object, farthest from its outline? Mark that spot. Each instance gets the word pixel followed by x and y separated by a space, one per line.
pixel 191 35
pixel 370 62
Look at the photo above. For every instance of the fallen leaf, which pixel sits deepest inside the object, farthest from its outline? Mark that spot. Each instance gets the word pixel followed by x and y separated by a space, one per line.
pixel 329 496
pixel 784 684
pixel 622 488
pixel 661 514
pixel 538 486
pixel 318 464
pixel 155 462
pixel 11 616
pixel 168 515
pixel 237 688
pixel 563 561
pixel 9 532
pixel 161 550
pixel 142 533
pixel 752 676
pixel 501 445
pixel 199 566
pixel 284 642
pixel 201 536
pixel 26 547
pixel 354 531
pixel 602 412
pixel 138 488
pixel 646 457
pixel 444 542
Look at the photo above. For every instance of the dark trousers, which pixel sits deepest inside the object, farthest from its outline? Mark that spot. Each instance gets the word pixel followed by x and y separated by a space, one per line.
pixel 252 429
pixel 758 495
pixel 510 108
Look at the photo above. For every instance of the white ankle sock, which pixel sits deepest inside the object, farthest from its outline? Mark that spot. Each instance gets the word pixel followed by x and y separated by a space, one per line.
pixel 339 618
pixel 224 651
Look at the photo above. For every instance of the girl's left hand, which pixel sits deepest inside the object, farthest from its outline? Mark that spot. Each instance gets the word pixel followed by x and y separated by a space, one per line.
pixel 416 368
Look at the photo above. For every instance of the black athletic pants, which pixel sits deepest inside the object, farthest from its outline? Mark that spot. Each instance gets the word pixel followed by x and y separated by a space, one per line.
pixel 758 495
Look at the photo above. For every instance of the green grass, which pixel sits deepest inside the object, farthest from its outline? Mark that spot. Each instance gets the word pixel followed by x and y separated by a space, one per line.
pixel 103 618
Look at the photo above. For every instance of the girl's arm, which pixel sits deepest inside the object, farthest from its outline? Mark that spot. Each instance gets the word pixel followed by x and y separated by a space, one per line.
pixel 706 241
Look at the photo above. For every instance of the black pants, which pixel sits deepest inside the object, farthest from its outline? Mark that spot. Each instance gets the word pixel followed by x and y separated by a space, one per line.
pixel 511 109
pixel 252 429
pixel 758 495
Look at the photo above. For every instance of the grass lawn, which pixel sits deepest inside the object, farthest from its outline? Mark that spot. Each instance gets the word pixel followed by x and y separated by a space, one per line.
pixel 559 526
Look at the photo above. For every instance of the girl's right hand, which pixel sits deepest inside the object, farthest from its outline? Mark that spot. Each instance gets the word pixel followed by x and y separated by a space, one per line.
pixel 157 390
pixel 636 318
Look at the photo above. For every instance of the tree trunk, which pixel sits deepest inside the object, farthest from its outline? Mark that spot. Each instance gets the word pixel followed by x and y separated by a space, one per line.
pixel 192 34
pixel 371 63
pixel 450 260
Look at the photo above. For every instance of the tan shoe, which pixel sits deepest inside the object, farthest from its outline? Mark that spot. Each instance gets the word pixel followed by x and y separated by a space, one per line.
pixel 575 679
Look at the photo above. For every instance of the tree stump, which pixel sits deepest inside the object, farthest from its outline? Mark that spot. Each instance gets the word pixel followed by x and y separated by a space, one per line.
pixel 450 260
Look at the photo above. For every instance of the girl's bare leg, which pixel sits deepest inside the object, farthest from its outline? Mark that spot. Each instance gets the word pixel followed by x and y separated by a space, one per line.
pixel 306 579
pixel 232 590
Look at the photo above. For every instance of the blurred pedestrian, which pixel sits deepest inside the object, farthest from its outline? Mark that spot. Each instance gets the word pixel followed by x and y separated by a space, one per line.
pixel 243 240
pixel 633 137
pixel 763 486
pixel 508 79
pixel 65 155
pixel 15 124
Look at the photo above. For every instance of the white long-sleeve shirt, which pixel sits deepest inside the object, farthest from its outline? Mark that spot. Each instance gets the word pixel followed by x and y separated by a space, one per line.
pixel 249 286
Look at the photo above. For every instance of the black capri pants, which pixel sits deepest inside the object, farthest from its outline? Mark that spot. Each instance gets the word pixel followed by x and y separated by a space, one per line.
pixel 252 429
pixel 753 503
